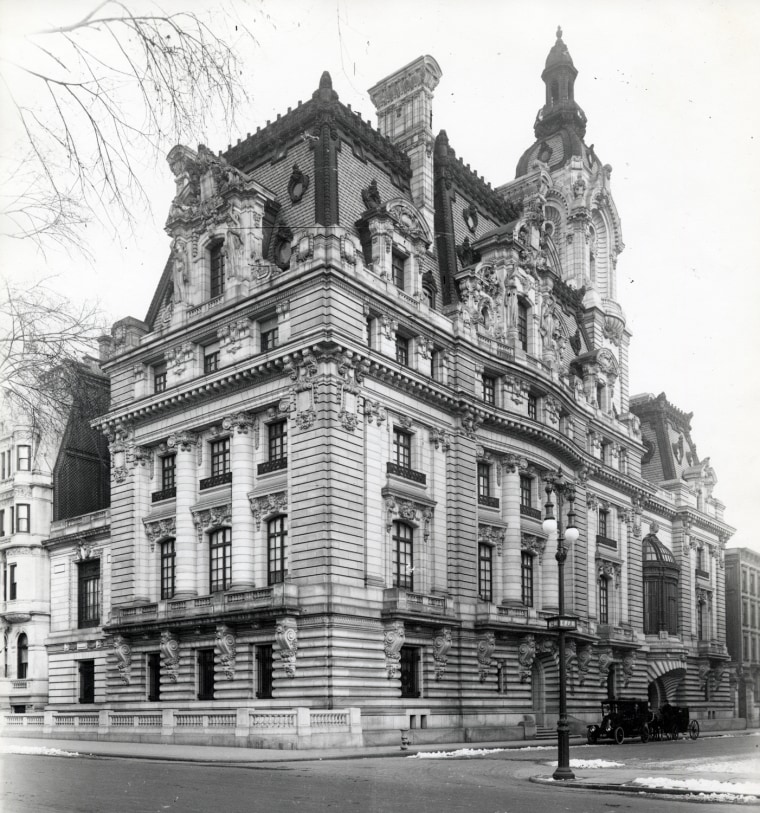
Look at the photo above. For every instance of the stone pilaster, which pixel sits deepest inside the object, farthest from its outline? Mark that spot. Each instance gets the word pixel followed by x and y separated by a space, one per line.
pixel 511 556
pixel 186 542
pixel 243 530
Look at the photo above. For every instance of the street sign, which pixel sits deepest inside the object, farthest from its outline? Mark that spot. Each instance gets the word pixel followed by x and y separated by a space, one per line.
pixel 562 622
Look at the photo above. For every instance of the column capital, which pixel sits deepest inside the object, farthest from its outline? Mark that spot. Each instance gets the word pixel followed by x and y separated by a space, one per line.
pixel 182 441
pixel 239 422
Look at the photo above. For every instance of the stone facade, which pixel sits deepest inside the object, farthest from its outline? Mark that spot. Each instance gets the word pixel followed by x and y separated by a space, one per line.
pixel 743 624
pixel 329 441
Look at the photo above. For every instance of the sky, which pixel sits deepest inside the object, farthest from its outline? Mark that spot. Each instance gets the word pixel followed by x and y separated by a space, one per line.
pixel 670 92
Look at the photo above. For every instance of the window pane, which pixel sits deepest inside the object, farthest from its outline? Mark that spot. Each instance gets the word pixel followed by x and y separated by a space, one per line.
pixel 22 518
pixel 220 560
pixel 277 536
pixel 484 484
pixel 220 457
pixel 527 579
pixel 402 448
pixel 485 562
pixel 88 577
pixel 168 467
pixel 278 433
pixel 402 350
pixel 167 569
pixel 23 458
pixel 403 556
pixel 217 271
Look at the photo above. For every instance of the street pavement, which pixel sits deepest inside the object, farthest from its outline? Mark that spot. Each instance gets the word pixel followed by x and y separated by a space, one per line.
pixel 600 778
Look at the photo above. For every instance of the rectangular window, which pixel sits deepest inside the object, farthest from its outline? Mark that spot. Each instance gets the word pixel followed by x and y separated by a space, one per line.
pixel 88 583
pixel 23 458
pixel 210 361
pixel 220 457
pixel 604 616
pixel 205 674
pixel 86 681
pixel 278 441
pixel 526 491
pixel 489 389
pixel 2 523
pixel 22 518
pixel 526 572
pixel 485 569
pixel 12 595
pixel 402 448
pixel 167 569
pixel 216 257
pixel 220 560
pixel 168 470
pixel 264 671
pixel 3 473
pixel 522 326
pixel 603 524
pixel 369 332
pixel 402 350
pixel 159 379
pixel 752 584
pixel 409 671
pixel 277 542
pixel 403 555
pixel 270 334
pixel 484 480
pixel 154 676
pixel 398 263
pixel 533 407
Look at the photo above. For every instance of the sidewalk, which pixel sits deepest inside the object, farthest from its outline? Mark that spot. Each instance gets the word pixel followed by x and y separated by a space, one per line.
pixel 616 779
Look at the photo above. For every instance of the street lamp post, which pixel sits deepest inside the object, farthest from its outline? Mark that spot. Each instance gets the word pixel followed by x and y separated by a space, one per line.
pixel 555 482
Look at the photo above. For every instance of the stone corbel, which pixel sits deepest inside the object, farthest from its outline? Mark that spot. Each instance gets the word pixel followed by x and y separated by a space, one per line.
pixel 123 652
pixel 226 650
pixel 526 654
pixel 628 667
pixel 169 648
pixel 486 647
pixel 286 637
pixel 606 659
pixel 441 647
pixel 393 639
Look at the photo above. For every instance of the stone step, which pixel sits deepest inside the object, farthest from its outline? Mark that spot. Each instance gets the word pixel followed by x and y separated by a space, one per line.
pixel 544 733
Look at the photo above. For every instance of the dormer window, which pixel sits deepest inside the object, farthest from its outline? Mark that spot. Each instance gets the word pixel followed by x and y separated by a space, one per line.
pixel 398 264
pixel 216 260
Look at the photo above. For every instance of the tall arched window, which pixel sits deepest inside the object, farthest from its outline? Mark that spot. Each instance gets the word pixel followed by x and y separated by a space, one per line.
pixel 403 555
pixel 22 656
pixel 661 575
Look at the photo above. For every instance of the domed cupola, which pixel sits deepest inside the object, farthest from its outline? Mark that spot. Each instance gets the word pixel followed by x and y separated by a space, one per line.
pixel 560 124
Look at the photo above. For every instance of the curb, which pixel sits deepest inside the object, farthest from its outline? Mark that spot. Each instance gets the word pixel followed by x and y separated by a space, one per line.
pixel 576 784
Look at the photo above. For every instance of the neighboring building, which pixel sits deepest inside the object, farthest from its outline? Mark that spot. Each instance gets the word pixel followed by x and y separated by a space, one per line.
pixel 743 624
pixel 329 442
pixel 44 468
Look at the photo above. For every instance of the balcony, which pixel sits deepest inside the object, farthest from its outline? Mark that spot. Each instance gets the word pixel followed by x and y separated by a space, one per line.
pixel 608 633
pixel 530 511
pixel 397 600
pixel 606 542
pixel 215 604
pixel 488 502
pixel 216 480
pixel 711 648
pixel 272 465
pixel 407 474
pixel 165 494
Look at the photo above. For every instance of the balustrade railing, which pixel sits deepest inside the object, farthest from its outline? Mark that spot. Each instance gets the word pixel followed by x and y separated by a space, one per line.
pixel 406 473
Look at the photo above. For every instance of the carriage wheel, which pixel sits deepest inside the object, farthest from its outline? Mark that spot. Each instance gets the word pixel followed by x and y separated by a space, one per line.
pixel 675 733
pixel 645 733
pixel 619 735
pixel 694 729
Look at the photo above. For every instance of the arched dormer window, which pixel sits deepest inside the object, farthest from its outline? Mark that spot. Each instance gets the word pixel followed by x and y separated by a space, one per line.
pixel 22 656
pixel 661 577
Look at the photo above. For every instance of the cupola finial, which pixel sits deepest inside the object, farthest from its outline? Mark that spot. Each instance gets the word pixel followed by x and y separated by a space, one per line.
pixel 559 32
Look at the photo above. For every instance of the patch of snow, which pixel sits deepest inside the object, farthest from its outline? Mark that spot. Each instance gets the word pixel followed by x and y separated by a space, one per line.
pixel 462 752
pixel 38 751
pixel 590 763
pixel 699 785
pixel 537 748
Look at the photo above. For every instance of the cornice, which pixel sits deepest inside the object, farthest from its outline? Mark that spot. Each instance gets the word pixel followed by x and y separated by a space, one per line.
pixel 55 542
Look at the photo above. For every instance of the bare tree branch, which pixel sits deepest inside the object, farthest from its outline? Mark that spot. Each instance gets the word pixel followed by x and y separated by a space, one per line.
pixel 100 91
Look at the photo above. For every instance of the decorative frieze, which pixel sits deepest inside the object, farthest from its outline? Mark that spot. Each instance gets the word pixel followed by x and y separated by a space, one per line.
pixel 263 506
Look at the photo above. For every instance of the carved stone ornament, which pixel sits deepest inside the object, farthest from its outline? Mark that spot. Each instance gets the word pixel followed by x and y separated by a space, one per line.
pixel 371 196
pixel 583 653
pixel 441 647
pixel 209 519
pixel 606 659
pixel 239 423
pixel 177 358
pixel 534 545
pixel 181 441
pixel 301 397
pixel 470 424
pixel 297 185
pixel 526 654
pixel 490 535
pixel 375 412
pixel 486 646
pixel 470 217
pixel 158 529
pixel 408 220
pixel 233 335
pixel 226 650
pixel 169 648
pixel 409 511
pixel 393 639
pixel 123 652
pixel 440 439
pixel 351 375
pixel 548 648
pixel 629 665
pixel 268 504
pixel 286 636
pixel 571 660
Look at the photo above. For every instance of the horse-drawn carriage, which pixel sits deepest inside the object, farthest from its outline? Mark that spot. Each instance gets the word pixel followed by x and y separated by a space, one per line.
pixel 632 718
